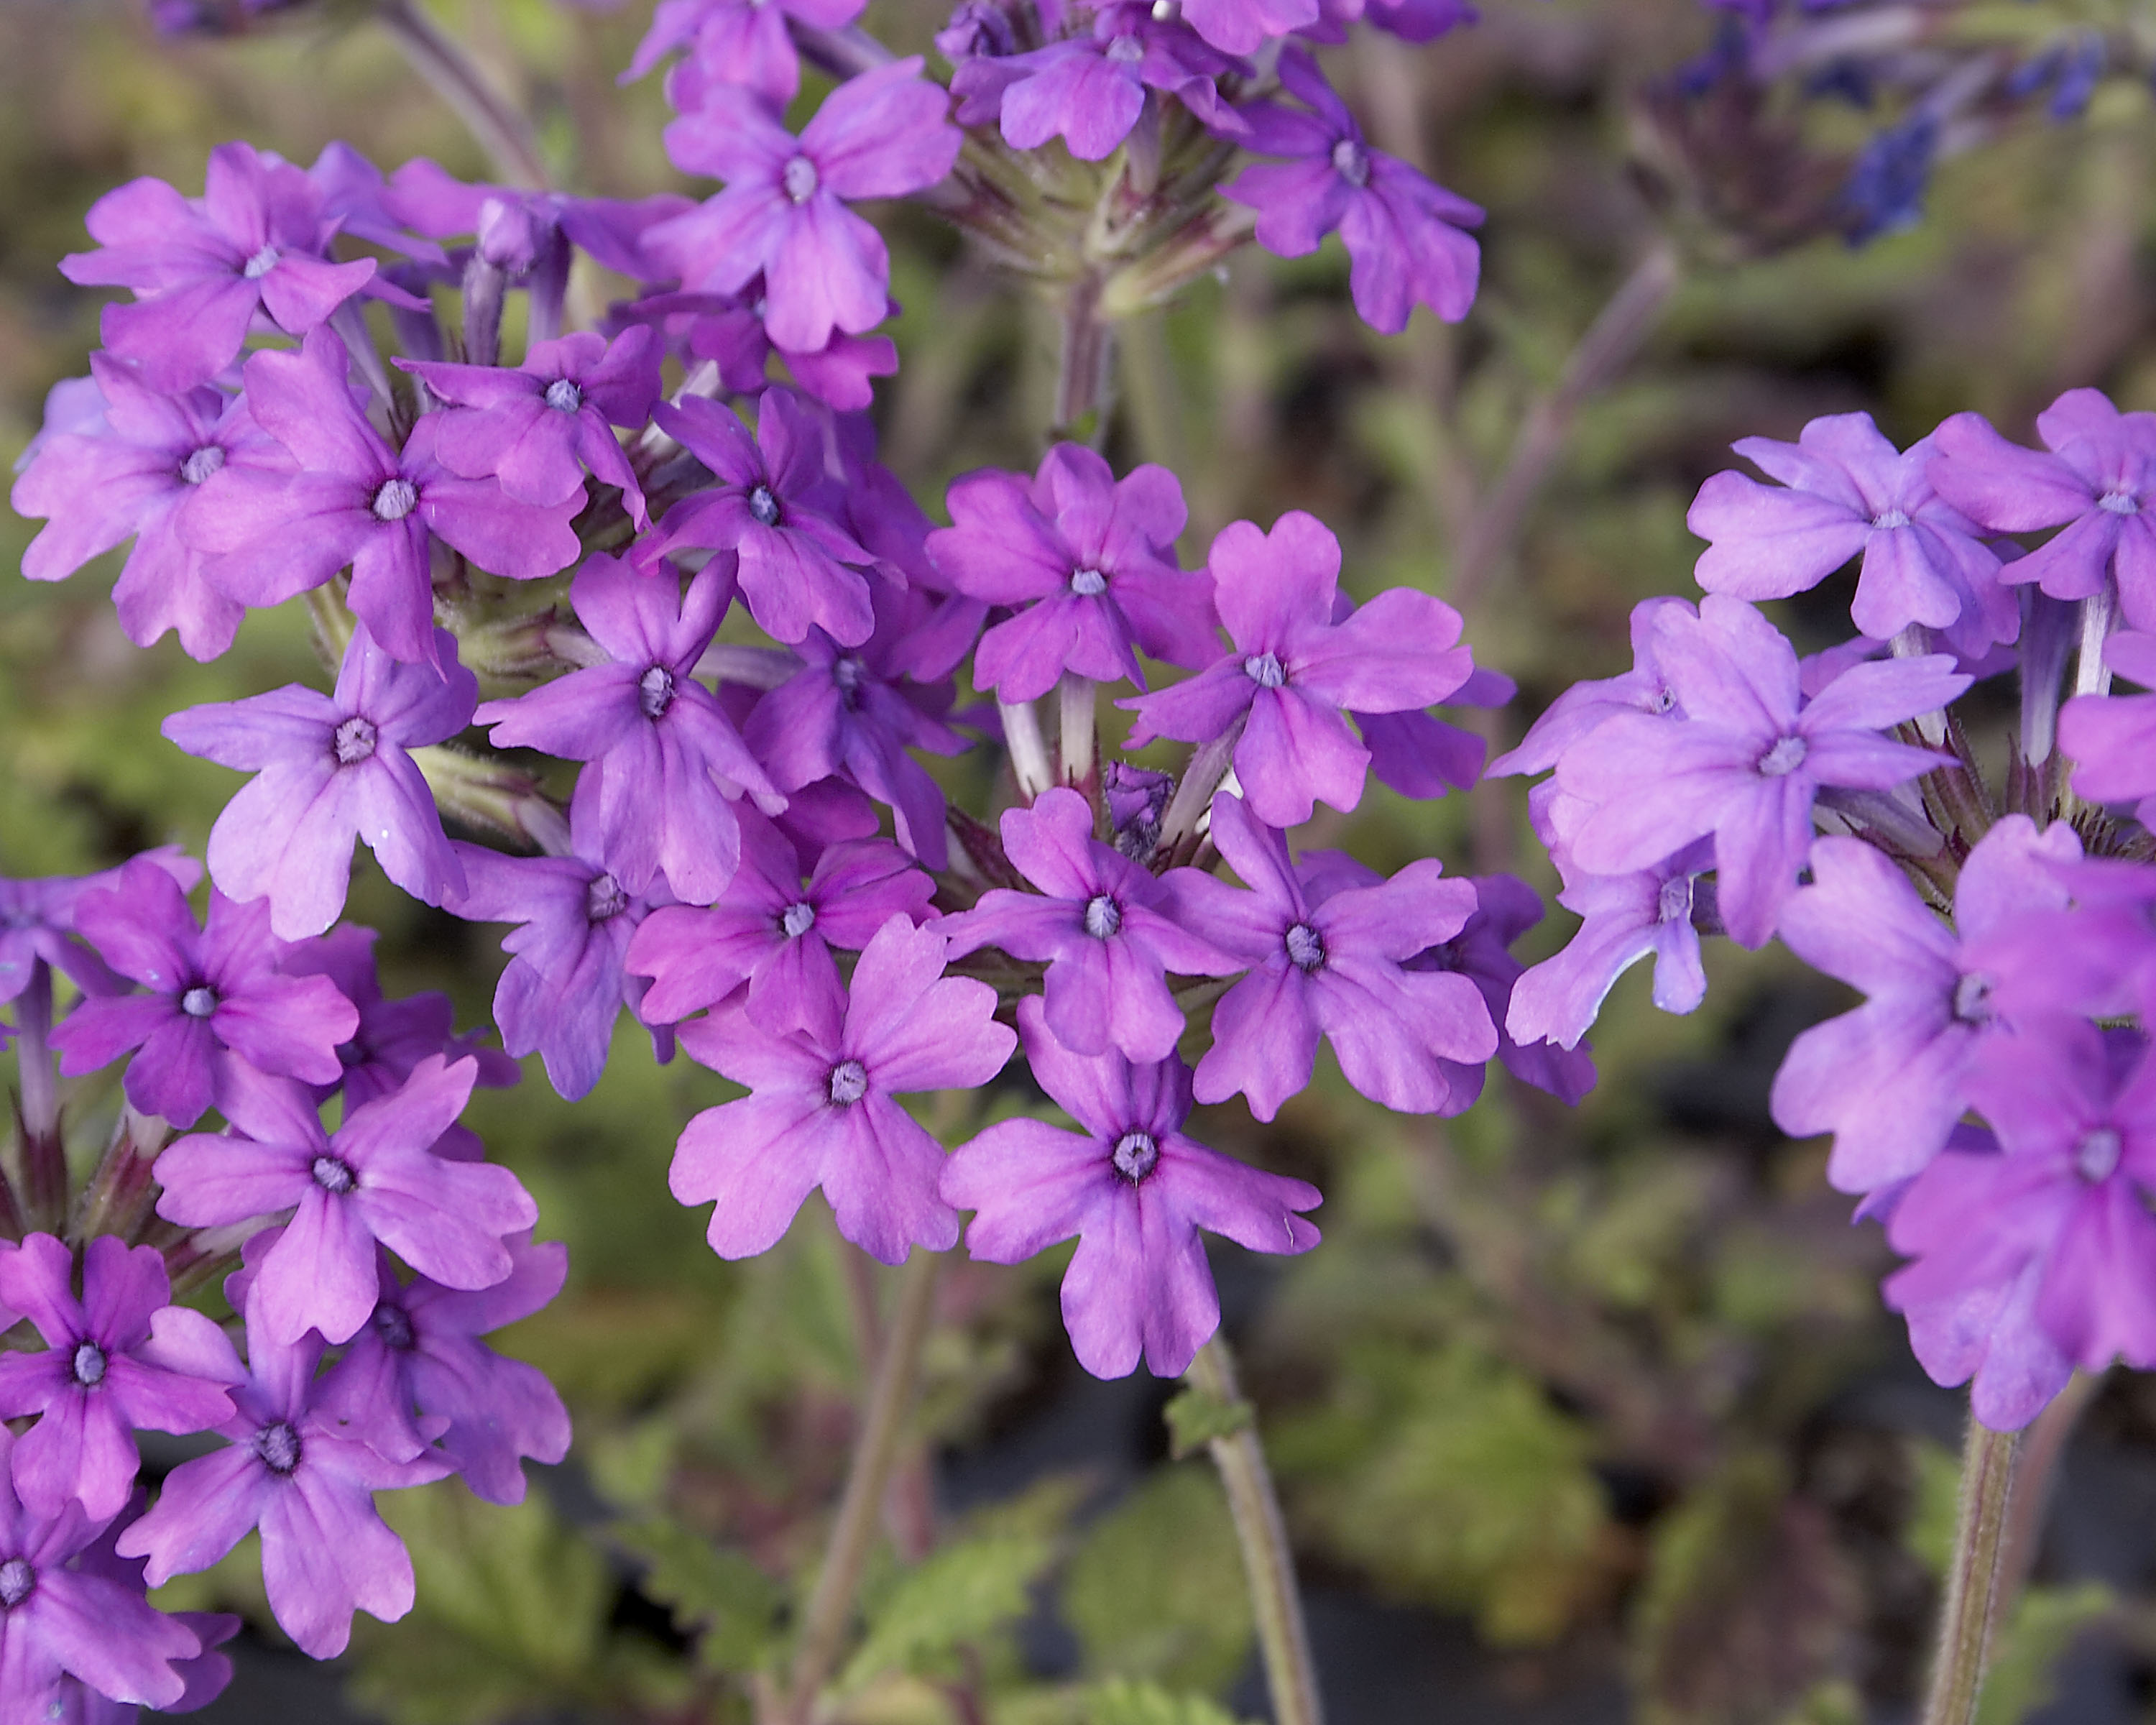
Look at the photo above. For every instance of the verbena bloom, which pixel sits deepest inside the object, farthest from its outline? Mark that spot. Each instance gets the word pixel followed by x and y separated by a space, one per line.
pixel 1106 928
pixel 774 932
pixel 1086 561
pixel 1333 969
pixel 98 1380
pixel 216 997
pixel 2112 738
pixel 1843 490
pixel 666 763
pixel 1294 672
pixel 332 769
pixel 376 1178
pixel 823 1111
pixel 355 501
pixel 307 1479
pixel 1587 704
pixel 204 269
pixel 205 1675
pixel 1402 231
pixel 1747 760
pixel 37 923
pixel 743 41
pixel 784 211
pixel 1891 1079
pixel 1243 26
pixel 1134 1190
pixel 2097 482
pixel 778 510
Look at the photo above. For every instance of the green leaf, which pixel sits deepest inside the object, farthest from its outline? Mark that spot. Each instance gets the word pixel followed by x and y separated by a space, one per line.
pixel 959 1594
pixel 718 1595
pixel 1196 1417
pixel 2044 1624
pixel 1124 1702
pixel 1156 1591
pixel 1929 1536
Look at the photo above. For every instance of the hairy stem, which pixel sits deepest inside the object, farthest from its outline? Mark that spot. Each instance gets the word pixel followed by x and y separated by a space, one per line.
pixel 1268 1565
pixel 1028 748
pixel 1987 1476
pixel 502 133
pixel 1074 729
pixel 1192 800
pixel 875 1449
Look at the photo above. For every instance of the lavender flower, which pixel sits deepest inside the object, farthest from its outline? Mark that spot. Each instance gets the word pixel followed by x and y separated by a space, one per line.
pixel 822 1108
pixel 36 924
pixel 737 42
pixel 1134 1190
pixel 1587 704
pixel 2113 737
pixel 331 768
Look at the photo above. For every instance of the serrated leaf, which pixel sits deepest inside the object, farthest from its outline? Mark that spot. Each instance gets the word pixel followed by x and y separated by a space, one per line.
pixel 718 1595
pixel 1195 1417
pixel 960 1594
pixel 1124 1702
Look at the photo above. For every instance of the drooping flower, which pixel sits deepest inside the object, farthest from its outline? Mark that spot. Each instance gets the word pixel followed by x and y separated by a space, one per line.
pixel 215 999
pixel 822 1108
pixel 1294 671
pixel 332 769
pixel 375 1179
pixel 1134 1190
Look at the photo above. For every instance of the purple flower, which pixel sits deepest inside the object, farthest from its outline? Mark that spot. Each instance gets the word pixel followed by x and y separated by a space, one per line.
pixel 1746 761
pixel 1294 671
pixel 741 42
pixel 1891 1079
pixel 58 1621
pixel 1243 26
pixel 784 211
pixel 375 1179
pixel 565 984
pixel 205 1675
pixel 1136 1192
pixel 37 923
pixel 98 1381
pixel 356 500
pixel 2098 481
pixel 1423 756
pixel 2112 738
pixel 1089 563
pixel 332 769
pixel 1332 968
pixel 1105 927
pixel 2057 1228
pixel 420 1351
pixel 216 998
pixel 538 428
pixel 774 934
pixel 137 475
pixel 307 1479
pixel 1844 490
pixel 1586 705
pixel 822 1108
pixel 667 764
pixel 1402 231
pixel 204 268
pixel 775 509
pixel 729 331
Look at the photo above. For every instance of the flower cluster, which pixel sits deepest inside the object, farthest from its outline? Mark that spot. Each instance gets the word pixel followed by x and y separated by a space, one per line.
pixel 2000 932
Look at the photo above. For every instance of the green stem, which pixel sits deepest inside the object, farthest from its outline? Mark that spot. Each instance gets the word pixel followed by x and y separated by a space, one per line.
pixel 1987 1478
pixel 1268 1563
pixel 501 132
pixel 875 1450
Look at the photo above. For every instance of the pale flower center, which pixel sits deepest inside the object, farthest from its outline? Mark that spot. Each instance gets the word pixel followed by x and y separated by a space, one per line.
pixel 353 740
pixel 1352 161
pixel 655 692
pixel 2096 1155
pixel 397 499
pixel 1104 916
pixel 763 504
pixel 564 396
pixel 797 920
pixel 89 1365
pixel 2119 503
pixel 604 899
pixel 393 1324
pixel 199 1001
pixel 200 466
pixel 16 1580
pixel 1891 519
pixel 1972 999
pixel 1088 583
pixel 1126 50
pixel 333 1174
pixel 1135 1154
pixel 798 179
pixel 278 1447
pixel 849 1083
pixel 1675 902
pixel 261 264
pixel 1787 755
pixel 1265 670
pixel 1305 946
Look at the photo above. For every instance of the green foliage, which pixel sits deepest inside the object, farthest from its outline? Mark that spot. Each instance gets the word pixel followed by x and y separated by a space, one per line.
pixel 1195 1418
pixel 1156 1589
pixel 954 1598
pixel 1930 1534
pixel 719 1596
pixel 2044 1624
pixel 1126 1703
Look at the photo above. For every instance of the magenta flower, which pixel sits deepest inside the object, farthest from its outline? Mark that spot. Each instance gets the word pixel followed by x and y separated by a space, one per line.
pixel 37 923
pixel 784 211
pixel 1844 490
pixel 667 764
pixel 822 1108
pixel 332 769
pixel 204 268
pixel 205 1675
pixel 375 1179
pixel 2097 482
pixel 418 1362
pixel 728 330
pixel 356 500
pixel 2112 738
pixel 1105 927
pixel 1746 760
pixel 98 1380
pixel 216 1000
pixel 138 474
pixel 1891 1079
pixel 1134 1190
pixel 537 428
pixel 1244 26
pixel 58 1621
pixel 739 42
pixel 774 932
pixel 1402 231
pixel 776 510
pixel 1087 561
pixel 1332 967
pixel 1294 671
pixel 307 1479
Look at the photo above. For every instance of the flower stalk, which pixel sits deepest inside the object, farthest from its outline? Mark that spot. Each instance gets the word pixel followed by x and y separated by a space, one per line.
pixel 501 130
pixel 1973 1575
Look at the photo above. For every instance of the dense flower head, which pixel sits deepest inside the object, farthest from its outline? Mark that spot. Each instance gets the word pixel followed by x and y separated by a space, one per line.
pixel 37 925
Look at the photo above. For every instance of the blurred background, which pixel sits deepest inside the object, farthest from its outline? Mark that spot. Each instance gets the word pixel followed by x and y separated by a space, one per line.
pixel 1579 1415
